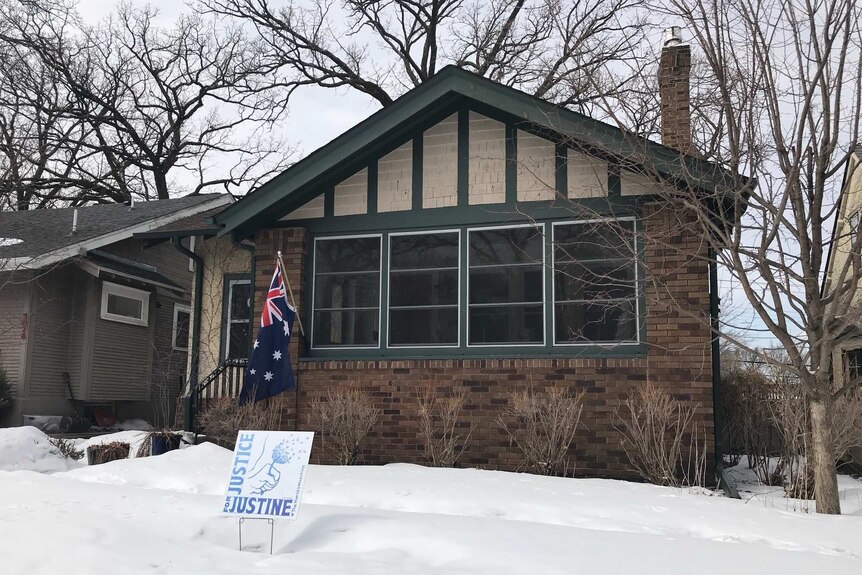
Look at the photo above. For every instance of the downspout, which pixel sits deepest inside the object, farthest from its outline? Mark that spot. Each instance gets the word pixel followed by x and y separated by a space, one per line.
pixel 250 250
pixel 196 323
pixel 714 302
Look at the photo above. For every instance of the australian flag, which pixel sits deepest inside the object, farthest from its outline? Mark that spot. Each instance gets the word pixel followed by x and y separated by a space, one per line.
pixel 269 371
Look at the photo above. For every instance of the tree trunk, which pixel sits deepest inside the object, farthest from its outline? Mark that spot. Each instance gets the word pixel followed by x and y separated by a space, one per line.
pixel 161 181
pixel 823 457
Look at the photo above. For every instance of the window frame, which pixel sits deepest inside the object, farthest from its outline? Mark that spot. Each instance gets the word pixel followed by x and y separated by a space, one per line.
pixel 331 348
pixel 178 308
pixel 231 280
pixel 637 283
pixel 540 226
pixel 389 288
pixel 143 296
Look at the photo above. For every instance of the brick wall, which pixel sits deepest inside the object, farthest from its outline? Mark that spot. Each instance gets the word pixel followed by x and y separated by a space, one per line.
pixel 678 359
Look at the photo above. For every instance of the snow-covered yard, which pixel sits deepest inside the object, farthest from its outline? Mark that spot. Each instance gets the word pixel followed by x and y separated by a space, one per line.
pixel 161 515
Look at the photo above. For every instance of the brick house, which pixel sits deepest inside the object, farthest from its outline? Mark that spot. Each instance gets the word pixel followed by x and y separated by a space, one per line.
pixel 472 236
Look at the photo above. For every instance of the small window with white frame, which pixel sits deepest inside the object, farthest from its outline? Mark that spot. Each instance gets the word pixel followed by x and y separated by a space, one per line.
pixel 182 319
pixel 125 304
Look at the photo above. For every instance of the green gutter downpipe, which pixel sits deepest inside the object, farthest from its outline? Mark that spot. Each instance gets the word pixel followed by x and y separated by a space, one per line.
pixel 714 301
pixel 250 250
pixel 196 324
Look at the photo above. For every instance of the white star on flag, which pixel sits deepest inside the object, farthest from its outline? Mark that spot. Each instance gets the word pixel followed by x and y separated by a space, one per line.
pixel 268 376
pixel 286 329
pixel 276 355
pixel 256 344
pixel 252 371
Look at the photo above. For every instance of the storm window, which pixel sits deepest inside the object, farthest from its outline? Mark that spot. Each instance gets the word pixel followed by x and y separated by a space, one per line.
pixel 346 292
pixel 506 286
pixel 423 289
pixel 595 282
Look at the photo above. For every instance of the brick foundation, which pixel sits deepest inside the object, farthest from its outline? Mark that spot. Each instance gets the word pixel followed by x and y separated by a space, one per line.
pixel 677 358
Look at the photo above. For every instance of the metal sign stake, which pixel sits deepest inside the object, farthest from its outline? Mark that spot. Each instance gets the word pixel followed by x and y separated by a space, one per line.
pixel 271 529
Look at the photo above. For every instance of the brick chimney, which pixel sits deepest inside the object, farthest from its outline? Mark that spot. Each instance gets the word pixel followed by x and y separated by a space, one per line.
pixel 673 87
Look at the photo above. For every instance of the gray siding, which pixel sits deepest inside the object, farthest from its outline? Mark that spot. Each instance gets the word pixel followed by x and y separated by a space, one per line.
pixel 14 308
pixel 49 330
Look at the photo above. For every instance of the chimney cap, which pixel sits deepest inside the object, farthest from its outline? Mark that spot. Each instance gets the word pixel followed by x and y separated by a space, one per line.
pixel 672 36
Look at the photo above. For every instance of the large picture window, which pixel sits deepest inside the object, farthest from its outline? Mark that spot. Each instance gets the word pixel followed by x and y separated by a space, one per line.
pixel 423 289
pixel 506 285
pixel 346 292
pixel 595 282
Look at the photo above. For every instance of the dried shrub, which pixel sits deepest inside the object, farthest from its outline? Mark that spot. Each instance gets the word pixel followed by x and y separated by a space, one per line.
pixel 106 452
pixel 344 418
pixel 440 421
pixel 748 427
pixel 543 426
pixel 224 418
pixel 654 426
pixel 67 448
pixel 5 391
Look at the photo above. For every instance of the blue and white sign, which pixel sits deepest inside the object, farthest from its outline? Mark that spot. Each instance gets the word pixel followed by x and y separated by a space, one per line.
pixel 267 473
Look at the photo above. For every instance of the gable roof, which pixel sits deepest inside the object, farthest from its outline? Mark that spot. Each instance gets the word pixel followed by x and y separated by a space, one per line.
pixel 36 238
pixel 295 186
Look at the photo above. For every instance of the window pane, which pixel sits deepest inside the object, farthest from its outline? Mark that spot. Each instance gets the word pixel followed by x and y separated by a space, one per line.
pixel 428 326
pixel 594 241
pixel 423 251
pixel 124 306
pixel 595 322
pixel 506 284
pixel 347 255
pixel 238 342
pixel 182 331
pixel 613 279
pixel 432 287
pixel 506 324
pixel 508 246
pixel 346 328
pixel 347 291
pixel 240 300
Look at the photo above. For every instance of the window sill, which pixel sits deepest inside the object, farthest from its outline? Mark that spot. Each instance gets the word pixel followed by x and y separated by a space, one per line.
pixel 637 350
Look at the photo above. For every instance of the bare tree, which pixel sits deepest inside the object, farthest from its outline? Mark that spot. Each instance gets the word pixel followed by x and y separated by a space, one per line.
pixel 787 100
pixel 158 107
pixel 557 50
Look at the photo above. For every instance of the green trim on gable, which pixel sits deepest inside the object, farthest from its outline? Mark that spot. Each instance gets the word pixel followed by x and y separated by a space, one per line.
pixel 455 88
pixel 463 156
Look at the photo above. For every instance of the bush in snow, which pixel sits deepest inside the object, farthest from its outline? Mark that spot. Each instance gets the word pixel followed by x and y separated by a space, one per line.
pixel 107 452
pixel 442 427
pixel 654 426
pixel 5 391
pixel 543 426
pixel 344 418
pixel 67 448
pixel 224 418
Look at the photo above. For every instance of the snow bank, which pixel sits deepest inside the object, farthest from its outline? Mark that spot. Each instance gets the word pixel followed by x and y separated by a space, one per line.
pixel 161 514
pixel 26 448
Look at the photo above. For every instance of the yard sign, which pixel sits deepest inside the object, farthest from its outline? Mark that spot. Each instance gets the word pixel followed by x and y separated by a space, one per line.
pixel 267 473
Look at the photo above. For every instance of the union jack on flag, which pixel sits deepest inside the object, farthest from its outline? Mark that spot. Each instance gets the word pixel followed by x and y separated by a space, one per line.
pixel 269 371
pixel 271 312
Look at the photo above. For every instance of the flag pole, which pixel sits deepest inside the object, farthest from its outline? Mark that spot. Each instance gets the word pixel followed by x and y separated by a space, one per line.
pixel 290 293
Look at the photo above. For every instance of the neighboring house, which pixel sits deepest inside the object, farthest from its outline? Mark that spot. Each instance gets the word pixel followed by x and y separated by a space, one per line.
pixel 79 295
pixel 847 354
pixel 470 236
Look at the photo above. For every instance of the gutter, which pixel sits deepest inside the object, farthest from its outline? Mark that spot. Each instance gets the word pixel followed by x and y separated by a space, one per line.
pixel 714 302
pixel 176 241
pixel 252 272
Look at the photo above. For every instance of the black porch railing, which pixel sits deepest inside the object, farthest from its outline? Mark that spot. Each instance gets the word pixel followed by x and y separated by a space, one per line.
pixel 224 382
